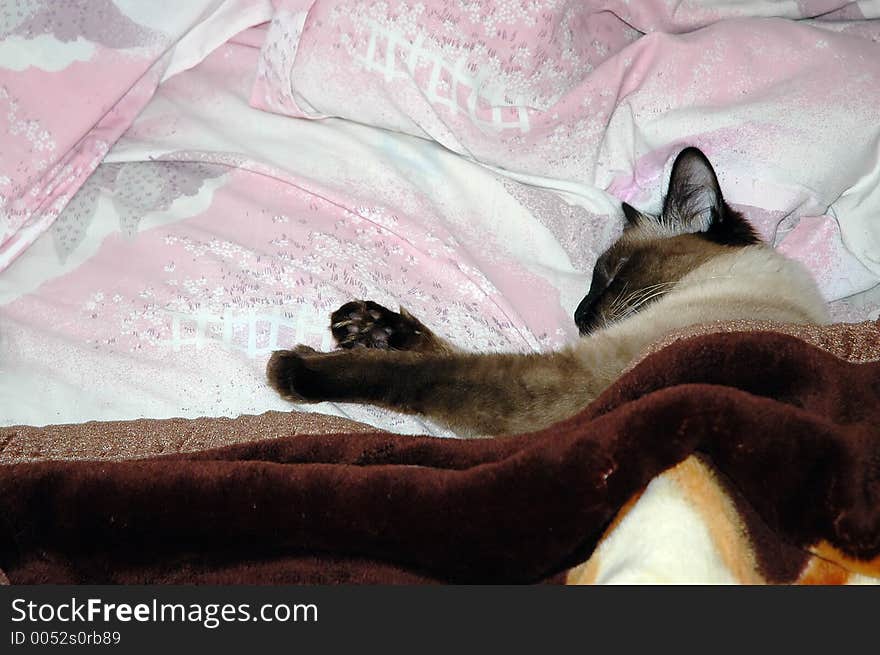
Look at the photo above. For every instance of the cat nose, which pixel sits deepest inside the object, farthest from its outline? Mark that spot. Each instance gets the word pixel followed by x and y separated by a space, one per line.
pixel 586 315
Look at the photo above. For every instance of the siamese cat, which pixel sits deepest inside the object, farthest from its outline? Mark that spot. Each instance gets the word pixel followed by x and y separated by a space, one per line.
pixel 699 261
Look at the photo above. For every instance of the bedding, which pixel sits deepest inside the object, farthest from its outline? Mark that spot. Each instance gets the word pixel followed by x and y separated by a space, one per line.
pixel 603 94
pixel 73 76
pixel 744 457
pixel 213 181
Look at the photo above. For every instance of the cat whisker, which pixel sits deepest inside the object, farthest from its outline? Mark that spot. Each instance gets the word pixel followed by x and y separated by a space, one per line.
pixel 619 300
pixel 625 306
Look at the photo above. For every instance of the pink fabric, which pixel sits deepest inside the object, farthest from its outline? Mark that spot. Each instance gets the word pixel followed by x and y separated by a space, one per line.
pixel 73 77
pixel 50 153
pixel 783 97
pixel 535 87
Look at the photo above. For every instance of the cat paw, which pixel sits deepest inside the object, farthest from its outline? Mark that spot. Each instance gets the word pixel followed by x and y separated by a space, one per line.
pixel 289 373
pixel 366 324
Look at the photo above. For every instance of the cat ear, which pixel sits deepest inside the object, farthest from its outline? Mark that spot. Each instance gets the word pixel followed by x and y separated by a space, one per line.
pixel 694 201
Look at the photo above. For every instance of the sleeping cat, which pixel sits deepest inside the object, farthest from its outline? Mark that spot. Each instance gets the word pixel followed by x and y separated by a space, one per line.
pixel 699 261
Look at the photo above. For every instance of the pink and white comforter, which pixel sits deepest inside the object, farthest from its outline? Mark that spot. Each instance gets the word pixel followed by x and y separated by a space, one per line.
pixel 185 188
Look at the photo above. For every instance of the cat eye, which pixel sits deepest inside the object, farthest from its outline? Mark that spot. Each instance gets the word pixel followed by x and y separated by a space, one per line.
pixel 604 273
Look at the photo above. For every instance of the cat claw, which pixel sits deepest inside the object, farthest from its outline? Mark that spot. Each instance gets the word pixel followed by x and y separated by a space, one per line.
pixel 366 324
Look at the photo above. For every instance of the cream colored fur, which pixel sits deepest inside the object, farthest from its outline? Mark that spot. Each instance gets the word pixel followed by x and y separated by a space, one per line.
pixel 755 282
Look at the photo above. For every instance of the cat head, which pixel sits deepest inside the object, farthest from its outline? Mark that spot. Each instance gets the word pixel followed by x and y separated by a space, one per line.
pixel 655 252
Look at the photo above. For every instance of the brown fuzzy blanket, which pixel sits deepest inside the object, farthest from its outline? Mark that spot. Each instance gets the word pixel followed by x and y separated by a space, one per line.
pixel 770 443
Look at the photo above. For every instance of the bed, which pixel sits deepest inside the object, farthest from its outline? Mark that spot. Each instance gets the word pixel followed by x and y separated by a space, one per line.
pixel 183 191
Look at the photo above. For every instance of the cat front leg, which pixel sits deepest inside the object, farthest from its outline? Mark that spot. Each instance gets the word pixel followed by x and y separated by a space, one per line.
pixel 474 394
pixel 391 359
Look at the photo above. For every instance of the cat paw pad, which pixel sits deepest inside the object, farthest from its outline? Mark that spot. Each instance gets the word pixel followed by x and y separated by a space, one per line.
pixel 366 324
